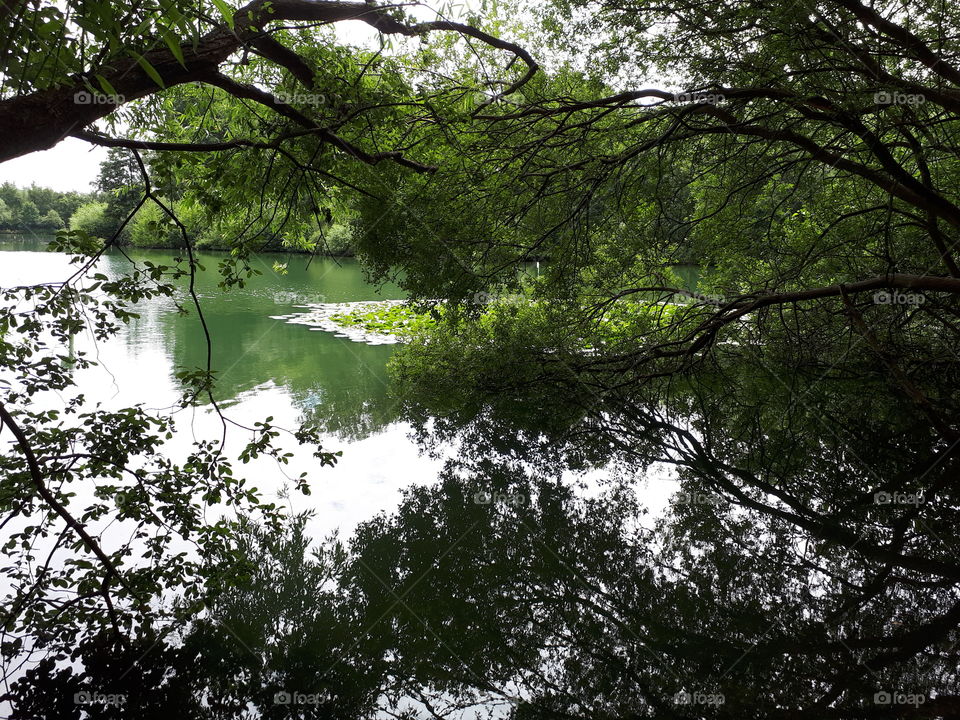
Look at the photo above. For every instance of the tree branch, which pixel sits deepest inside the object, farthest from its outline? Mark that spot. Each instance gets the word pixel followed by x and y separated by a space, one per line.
pixel 42 119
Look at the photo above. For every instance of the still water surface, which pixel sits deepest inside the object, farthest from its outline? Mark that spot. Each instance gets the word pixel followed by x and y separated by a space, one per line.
pixel 265 367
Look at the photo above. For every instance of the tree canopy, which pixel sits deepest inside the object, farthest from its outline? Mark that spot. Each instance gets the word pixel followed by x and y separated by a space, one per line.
pixel 745 222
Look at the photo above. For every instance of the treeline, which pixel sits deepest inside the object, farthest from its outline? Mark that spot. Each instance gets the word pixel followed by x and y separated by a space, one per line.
pixel 105 213
pixel 152 227
pixel 36 209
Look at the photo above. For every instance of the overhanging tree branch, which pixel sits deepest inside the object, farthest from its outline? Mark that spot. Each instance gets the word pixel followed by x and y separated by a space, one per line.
pixel 41 119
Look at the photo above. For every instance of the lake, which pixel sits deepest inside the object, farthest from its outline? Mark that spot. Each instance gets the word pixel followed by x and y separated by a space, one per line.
pixel 270 367
pixel 265 366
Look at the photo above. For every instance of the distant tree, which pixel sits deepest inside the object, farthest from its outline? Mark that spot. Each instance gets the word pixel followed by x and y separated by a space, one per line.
pixel 10 194
pixel 36 208
pixel 51 220
pixel 43 197
pixel 119 181
pixel 118 171
pixel 27 215
pixel 66 204
pixel 91 218
pixel 150 227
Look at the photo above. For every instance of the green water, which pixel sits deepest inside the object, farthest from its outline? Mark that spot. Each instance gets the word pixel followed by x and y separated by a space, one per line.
pixel 340 384
pixel 264 367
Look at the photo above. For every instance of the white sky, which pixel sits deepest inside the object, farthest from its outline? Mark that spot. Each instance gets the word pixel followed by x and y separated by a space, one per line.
pixel 71 165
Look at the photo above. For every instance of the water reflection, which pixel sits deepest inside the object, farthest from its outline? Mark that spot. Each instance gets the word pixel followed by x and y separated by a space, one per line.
pixel 339 385
pixel 808 566
pixel 266 367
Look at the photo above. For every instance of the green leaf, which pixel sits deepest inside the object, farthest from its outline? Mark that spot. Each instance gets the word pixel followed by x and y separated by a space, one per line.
pixel 226 12
pixel 172 42
pixel 105 85
pixel 149 69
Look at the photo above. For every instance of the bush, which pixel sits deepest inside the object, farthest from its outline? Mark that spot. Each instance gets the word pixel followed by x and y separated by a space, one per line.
pixel 91 218
pixel 336 240
pixel 152 228
pixel 28 215
pixel 6 217
pixel 52 221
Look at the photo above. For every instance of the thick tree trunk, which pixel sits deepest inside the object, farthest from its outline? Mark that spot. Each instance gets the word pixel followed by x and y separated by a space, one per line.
pixel 40 120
